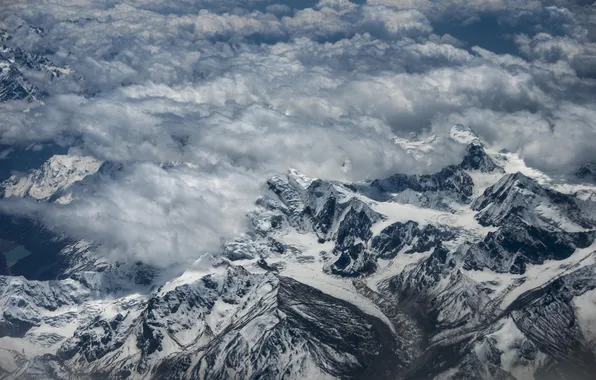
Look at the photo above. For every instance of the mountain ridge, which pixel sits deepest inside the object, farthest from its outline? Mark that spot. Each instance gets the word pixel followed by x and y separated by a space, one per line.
pixel 431 276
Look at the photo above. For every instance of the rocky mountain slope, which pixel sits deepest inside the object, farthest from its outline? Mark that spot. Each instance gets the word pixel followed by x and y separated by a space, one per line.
pixel 22 73
pixel 477 271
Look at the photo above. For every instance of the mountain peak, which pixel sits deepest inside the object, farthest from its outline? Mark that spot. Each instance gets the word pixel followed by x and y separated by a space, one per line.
pixel 59 172
pixel 478 159
pixel 587 171
pixel 516 195
pixel 20 72
pixel 464 135
pixel 299 178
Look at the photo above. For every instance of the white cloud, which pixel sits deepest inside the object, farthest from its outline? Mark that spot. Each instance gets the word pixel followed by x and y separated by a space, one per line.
pixel 245 89
pixel 147 213
pixel 395 22
pixel 461 9
pixel 581 56
pixel 278 9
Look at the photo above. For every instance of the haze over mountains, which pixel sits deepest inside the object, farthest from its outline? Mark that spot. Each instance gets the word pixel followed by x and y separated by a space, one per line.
pixel 216 190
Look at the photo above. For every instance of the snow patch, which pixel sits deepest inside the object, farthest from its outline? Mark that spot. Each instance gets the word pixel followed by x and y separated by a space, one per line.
pixel 585 308
pixel 311 273
pixel 463 135
pixel 59 172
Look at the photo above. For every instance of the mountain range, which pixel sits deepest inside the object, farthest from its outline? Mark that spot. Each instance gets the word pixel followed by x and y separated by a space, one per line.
pixel 473 272
pixel 485 269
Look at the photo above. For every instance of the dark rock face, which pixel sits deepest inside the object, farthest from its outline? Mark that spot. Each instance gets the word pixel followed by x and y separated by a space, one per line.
pixel 548 317
pixel 14 85
pixel 328 210
pixel 587 171
pixel 337 216
pixel 545 320
pixel 451 309
pixel 516 244
pixel 452 181
pixel 454 309
pixel 354 227
pixel 13 326
pixel 399 235
pixel 310 319
pixel 14 62
pixel 477 159
pixel 352 235
pixel 354 261
pixel 324 216
pixel 438 189
pixel 289 202
pixel 516 195
pixel 291 322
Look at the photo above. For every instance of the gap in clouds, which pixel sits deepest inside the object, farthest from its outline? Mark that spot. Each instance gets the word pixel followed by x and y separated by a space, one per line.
pixel 486 32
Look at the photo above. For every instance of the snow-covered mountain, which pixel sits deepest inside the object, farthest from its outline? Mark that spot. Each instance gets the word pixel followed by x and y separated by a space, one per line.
pixel 587 171
pixel 20 71
pixel 56 174
pixel 478 271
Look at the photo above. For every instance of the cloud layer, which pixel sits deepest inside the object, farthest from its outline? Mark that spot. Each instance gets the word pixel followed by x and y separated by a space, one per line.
pixel 240 90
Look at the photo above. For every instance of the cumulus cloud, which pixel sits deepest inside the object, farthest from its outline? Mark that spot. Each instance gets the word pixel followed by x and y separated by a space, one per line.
pixel 160 216
pixel 241 90
pixel 580 56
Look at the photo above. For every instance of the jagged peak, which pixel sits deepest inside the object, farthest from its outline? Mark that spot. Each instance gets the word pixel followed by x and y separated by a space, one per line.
pixel 509 186
pixel 320 192
pixel 299 178
pixel 519 179
pixel 509 181
pixel 464 135
pixel 476 158
pixel 19 72
pixel 587 171
pixel 282 187
pixel 517 195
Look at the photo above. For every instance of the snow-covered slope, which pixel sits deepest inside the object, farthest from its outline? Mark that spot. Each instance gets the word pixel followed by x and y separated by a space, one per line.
pixel 472 272
pixel 20 71
pixel 58 173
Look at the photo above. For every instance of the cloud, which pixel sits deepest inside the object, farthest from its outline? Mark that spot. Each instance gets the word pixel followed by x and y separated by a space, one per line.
pixel 563 140
pixel 278 9
pixel 162 217
pixel 241 90
pixel 395 23
pixel 463 10
pixel 581 57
